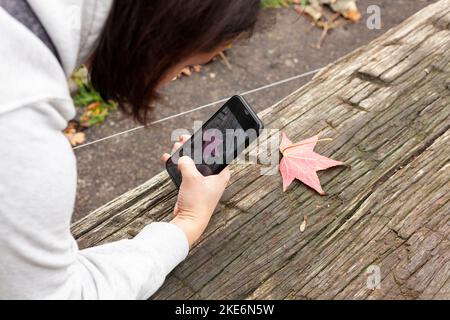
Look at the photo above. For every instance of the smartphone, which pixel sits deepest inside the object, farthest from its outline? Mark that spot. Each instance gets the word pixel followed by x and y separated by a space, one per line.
pixel 220 140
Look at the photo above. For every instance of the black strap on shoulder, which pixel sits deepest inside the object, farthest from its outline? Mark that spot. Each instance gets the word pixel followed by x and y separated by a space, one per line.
pixel 22 12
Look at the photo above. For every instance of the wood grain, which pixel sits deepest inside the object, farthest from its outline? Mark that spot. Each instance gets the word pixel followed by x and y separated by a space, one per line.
pixel 387 108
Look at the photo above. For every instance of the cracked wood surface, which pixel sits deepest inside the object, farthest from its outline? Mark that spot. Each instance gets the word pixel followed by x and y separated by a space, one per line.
pixel 387 107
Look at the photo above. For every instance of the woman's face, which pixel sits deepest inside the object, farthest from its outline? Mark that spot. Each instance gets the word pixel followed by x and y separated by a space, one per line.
pixel 195 60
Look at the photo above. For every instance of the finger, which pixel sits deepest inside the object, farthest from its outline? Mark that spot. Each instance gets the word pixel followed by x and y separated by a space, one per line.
pixel 165 158
pixel 177 146
pixel 187 168
pixel 184 138
pixel 223 178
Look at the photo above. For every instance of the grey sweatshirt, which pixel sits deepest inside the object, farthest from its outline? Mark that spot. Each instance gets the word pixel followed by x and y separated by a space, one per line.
pixel 39 259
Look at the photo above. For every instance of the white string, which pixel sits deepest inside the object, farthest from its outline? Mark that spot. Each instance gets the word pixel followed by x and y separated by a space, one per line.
pixel 271 85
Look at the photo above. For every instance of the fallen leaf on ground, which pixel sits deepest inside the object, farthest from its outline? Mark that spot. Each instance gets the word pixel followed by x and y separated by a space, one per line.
pixel 189 71
pixel 314 8
pixel 347 8
pixel 304 224
pixel 197 68
pixel 186 72
pixel 95 113
pixel 302 163
pixel 75 138
pixel 71 132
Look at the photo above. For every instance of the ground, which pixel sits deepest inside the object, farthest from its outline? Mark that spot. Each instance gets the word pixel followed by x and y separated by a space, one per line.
pixel 113 167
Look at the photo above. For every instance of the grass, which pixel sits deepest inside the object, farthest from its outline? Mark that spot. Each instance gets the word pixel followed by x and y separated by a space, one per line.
pixel 94 110
pixel 269 4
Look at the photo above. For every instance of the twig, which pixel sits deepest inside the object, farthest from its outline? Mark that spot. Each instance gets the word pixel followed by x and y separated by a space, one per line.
pixel 226 61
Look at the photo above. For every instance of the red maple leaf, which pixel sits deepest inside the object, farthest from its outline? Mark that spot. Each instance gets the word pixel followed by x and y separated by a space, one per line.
pixel 302 163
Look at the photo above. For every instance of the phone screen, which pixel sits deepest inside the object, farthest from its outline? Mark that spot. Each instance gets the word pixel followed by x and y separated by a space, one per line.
pixel 226 135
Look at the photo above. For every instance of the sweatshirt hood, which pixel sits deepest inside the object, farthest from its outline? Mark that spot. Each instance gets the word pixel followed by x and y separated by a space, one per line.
pixel 74 27
pixel 29 72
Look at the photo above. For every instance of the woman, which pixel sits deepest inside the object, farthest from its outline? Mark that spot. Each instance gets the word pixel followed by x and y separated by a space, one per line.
pixel 131 48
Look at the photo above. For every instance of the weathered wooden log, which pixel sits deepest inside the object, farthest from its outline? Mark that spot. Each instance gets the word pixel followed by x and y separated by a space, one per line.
pixel 387 106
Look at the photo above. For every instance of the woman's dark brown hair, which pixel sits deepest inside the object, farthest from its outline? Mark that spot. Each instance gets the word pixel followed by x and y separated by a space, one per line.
pixel 143 39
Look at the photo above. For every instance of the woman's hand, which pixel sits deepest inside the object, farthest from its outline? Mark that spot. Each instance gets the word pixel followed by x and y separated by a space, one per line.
pixel 198 196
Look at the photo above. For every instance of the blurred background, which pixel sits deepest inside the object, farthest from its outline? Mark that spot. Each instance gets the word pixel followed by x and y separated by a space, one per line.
pixel 295 36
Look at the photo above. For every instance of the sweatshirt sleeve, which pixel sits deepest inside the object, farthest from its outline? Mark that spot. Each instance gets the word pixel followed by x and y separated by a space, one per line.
pixel 39 257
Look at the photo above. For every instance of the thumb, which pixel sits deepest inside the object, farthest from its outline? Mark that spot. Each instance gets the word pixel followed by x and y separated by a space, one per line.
pixel 224 176
pixel 187 168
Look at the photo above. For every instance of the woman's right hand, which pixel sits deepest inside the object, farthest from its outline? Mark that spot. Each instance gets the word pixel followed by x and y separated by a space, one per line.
pixel 198 196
